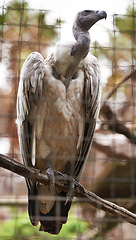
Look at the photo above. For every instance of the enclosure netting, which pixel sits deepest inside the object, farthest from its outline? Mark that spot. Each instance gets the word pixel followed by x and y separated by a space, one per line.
pixel 111 168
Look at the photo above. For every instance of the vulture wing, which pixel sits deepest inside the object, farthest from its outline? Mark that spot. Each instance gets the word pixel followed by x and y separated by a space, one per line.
pixel 29 91
pixel 91 102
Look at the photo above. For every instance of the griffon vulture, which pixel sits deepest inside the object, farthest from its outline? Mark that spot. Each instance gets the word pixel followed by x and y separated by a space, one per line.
pixel 58 103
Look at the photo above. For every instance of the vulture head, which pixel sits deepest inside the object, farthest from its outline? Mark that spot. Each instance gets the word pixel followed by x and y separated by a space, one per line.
pixel 68 56
pixel 86 19
pixel 83 22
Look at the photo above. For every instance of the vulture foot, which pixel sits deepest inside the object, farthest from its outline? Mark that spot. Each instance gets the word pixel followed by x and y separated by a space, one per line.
pixel 50 175
pixel 70 193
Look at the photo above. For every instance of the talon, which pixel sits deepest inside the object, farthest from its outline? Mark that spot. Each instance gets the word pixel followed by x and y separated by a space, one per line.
pixel 70 193
pixel 50 175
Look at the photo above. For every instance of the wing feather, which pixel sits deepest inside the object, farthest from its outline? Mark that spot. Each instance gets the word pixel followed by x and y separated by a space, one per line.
pixel 91 101
pixel 29 92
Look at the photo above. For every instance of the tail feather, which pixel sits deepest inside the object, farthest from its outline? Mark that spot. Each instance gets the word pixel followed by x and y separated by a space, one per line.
pixel 33 205
pixel 52 221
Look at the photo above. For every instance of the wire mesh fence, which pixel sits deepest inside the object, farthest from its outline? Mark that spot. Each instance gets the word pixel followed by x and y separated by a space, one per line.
pixel 111 168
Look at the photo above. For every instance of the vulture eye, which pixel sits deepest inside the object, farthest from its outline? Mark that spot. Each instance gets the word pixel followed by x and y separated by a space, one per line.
pixel 86 12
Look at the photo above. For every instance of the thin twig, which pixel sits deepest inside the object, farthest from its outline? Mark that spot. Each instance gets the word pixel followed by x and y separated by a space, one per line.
pixel 62 182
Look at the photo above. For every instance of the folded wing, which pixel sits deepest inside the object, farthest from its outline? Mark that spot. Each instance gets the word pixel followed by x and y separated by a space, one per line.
pixel 91 102
pixel 29 92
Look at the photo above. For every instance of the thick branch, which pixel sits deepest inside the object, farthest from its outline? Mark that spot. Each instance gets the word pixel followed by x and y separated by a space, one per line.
pixel 109 151
pixel 115 125
pixel 132 75
pixel 61 181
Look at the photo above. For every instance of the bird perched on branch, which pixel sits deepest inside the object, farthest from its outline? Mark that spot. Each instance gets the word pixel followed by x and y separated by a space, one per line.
pixel 57 109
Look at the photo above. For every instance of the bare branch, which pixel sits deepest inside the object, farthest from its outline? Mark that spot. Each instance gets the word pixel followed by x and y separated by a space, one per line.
pixel 109 151
pixel 115 125
pixel 62 182
pixel 132 75
pixel 111 119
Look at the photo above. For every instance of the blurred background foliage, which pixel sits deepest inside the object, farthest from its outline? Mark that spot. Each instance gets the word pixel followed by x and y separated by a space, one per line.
pixel 111 169
pixel 20 228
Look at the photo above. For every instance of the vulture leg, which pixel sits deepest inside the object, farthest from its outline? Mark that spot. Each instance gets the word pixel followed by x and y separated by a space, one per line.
pixel 70 193
pixel 71 179
pixel 50 174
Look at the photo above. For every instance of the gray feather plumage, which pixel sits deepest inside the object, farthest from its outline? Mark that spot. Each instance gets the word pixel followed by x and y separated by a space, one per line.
pixel 58 104
pixel 30 91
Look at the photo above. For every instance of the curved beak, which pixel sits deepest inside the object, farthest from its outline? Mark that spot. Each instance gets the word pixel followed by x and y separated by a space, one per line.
pixel 86 22
pixel 102 14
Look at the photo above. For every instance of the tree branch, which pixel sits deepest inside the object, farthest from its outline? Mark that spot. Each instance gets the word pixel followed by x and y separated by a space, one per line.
pixel 109 151
pixel 111 119
pixel 115 125
pixel 132 75
pixel 62 182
